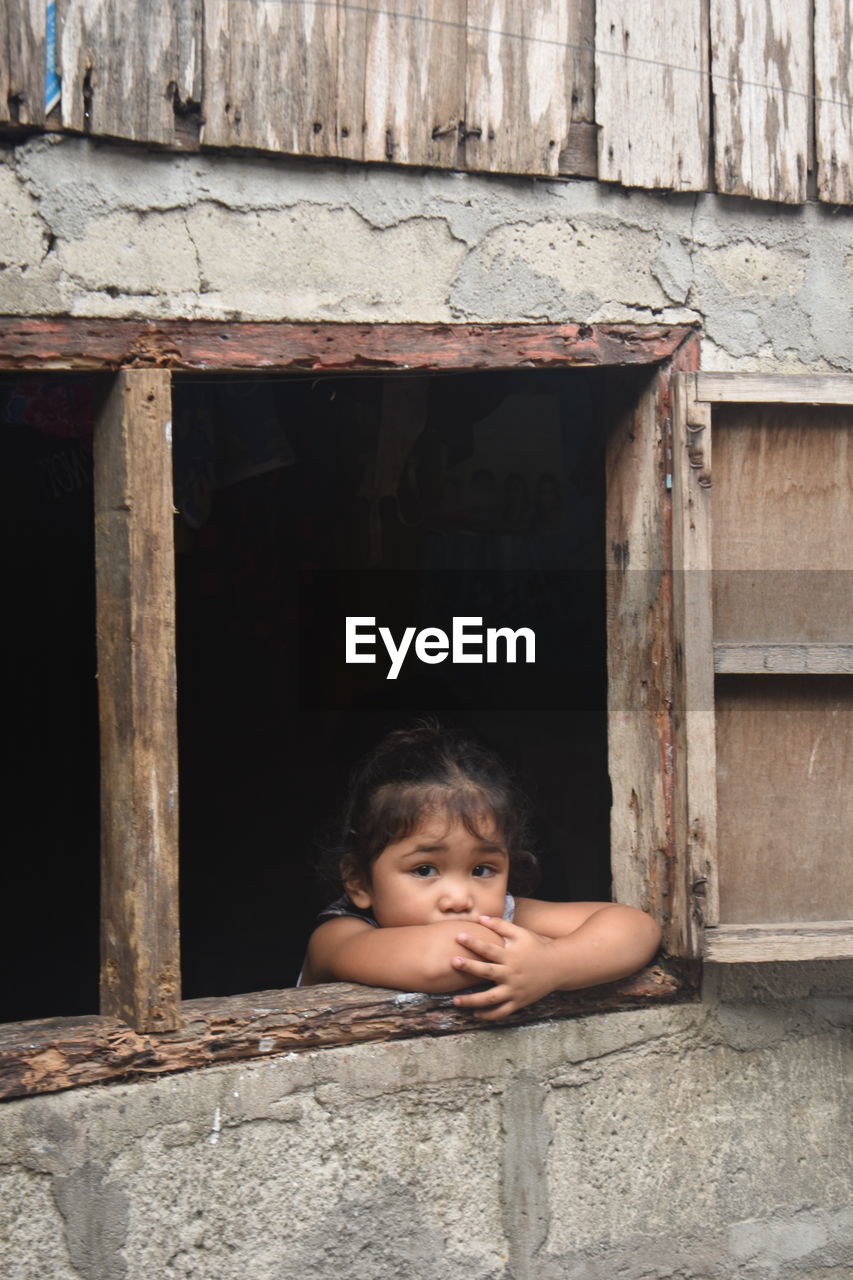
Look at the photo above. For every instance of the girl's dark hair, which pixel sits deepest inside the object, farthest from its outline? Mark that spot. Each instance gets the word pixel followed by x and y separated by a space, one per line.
pixel 423 767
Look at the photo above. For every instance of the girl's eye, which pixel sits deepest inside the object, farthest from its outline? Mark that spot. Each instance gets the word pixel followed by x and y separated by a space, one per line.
pixel 483 871
pixel 424 870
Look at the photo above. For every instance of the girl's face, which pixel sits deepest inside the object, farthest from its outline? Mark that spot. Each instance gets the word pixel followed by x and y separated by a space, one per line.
pixel 438 872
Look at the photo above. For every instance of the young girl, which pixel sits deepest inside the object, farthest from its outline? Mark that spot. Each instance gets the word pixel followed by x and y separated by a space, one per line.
pixel 433 851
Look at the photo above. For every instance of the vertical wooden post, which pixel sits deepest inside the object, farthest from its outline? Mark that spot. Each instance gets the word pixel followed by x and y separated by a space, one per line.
pixel 695 813
pixel 140 956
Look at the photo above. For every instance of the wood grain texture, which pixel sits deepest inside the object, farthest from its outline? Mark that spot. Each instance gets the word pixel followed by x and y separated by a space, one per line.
pixel 833 75
pixel 42 1057
pixel 72 343
pixel 783 388
pixel 478 84
pixel 639 670
pixel 525 64
pixel 696 801
pixel 126 69
pixel 761 82
pixel 414 82
pixel 783 524
pixel 801 940
pixel 651 93
pixel 135 582
pixel 22 59
pixel 349 92
pixel 784 659
pixel 784 764
pixel 270 76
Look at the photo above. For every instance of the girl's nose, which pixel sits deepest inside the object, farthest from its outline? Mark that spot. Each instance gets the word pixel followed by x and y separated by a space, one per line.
pixel 456 897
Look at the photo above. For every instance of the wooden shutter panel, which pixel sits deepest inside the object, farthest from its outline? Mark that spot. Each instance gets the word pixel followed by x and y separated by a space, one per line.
pixel 763 544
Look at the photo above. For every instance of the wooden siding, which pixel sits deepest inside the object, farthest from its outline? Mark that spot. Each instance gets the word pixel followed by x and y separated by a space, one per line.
pixel 761 81
pixel 22 60
pixel 615 89
pixel 833 57
pixel 651 72
pixel 128 71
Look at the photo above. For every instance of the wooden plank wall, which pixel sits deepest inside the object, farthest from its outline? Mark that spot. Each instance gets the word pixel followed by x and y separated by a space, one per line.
pixel 833 45
pixel 651 67
pixel 761 81
pixel 128 70
pixel 615 89
pixel 22 59
pixel 480 84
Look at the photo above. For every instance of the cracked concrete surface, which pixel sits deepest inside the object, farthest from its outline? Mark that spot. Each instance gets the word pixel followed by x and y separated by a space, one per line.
pixel 704 1142
pixel 159 235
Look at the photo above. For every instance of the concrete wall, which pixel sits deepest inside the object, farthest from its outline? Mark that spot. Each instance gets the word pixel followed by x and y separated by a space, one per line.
pixel 101 231
pixel 702 1142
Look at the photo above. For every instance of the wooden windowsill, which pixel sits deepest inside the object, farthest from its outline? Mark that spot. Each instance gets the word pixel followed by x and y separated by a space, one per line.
pixel 60 1053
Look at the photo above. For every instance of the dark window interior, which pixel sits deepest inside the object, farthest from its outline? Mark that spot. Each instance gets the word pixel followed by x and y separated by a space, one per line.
pixel 302 500
pixel 305 500
pixel 49 947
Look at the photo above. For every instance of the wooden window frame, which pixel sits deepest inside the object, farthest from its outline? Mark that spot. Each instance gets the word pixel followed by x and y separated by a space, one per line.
pixel 699 659
pixel 143 1027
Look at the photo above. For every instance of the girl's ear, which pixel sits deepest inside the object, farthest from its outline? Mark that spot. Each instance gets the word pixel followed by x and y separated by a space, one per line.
pixel 353 882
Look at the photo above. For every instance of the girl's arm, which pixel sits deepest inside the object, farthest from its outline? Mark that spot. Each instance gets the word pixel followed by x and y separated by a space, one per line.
pixel 417 957
pixel 553 946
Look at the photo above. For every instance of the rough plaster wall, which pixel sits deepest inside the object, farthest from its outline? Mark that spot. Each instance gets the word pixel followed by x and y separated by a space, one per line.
pixel 98 230
pixel 708 1142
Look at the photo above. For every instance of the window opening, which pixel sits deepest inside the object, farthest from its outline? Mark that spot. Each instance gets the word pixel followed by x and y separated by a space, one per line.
pixel 51 780
pixel 411 499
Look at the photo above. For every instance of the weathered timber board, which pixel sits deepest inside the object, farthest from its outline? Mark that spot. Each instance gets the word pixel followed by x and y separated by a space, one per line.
pixel 833 72
pixel 780 388
pixel 695 799
pixel 651 93
pixel 135 624
pixel 639 673
pixel 414 82
pixel 785 803
pixel 350 118
pixel 801 940
pixel 42 1057
pixel 761 81
pixel 521 70
pixel 204 344
pixel 270 76
pixel 785 659
pixel 22 58
pixel 127 68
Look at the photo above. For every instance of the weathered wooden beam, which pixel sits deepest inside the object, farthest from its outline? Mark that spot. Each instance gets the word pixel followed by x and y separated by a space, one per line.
pixel 135 579
pixel 774 388
pixel 43 1057
pixel 757 943
pixel 76 343
pixel 694 746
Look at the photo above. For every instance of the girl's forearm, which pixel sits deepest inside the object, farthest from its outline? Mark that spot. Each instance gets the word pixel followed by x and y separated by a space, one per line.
pixel 412 958
pixel 614 942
